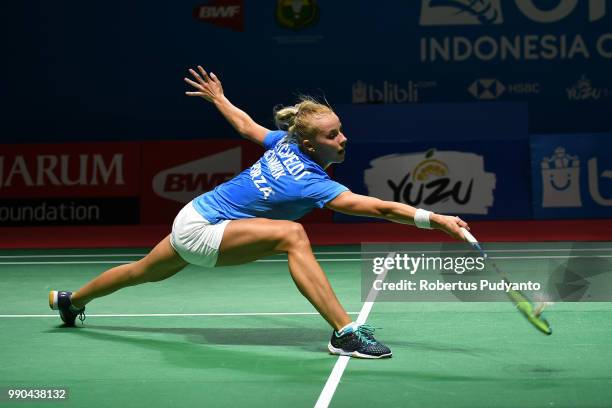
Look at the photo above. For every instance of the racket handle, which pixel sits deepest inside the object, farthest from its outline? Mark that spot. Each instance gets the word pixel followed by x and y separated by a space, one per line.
pixel 473 241
pixel 470 238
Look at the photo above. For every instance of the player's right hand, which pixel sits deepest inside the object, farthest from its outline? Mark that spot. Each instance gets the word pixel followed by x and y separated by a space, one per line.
pixel 206 86
pixel 450 225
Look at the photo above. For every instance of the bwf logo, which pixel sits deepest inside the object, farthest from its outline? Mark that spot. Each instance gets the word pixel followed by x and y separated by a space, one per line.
pixel 489 12
pixel 187 180
pixel 223 13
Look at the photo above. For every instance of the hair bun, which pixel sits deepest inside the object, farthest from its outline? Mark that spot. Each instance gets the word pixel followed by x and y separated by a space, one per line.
pixel 284 117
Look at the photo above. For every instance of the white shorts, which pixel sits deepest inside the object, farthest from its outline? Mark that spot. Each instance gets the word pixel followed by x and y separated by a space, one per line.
pixel 195 239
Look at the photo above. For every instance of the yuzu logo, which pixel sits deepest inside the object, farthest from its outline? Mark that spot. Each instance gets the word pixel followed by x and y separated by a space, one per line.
pixel 441 181
pixel 184 182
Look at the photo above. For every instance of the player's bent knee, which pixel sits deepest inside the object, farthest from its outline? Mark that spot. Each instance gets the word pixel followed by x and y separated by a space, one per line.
pixel 295 235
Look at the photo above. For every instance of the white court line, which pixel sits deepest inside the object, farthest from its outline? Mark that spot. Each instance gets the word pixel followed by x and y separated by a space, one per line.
pixel 69 256
pixel 609 249
pixel 316 253
pixel 491 257
pixel 64 262
pixel 125 261
pixel 174 314
pixel 284 260
pixel 551 257
pixel 334 378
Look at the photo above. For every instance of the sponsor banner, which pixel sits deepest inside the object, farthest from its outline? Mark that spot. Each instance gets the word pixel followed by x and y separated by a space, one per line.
pixel 483 180
pixel 68 211
pixel 572 175
pixel 450 182
pixel 173 173
pixel 109 183
pixel 69 170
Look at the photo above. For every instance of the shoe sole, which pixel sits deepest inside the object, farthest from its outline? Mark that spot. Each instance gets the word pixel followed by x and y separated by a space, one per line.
pixel 357 354
pixel 53 300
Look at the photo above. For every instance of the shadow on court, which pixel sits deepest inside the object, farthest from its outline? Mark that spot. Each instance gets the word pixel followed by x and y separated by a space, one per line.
pixel 234 336
pixel 305 338
pixel 233 349
pixel 439 347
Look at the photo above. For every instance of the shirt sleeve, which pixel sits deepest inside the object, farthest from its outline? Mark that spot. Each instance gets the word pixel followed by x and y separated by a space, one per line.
pixel 323 191
pixel 272 138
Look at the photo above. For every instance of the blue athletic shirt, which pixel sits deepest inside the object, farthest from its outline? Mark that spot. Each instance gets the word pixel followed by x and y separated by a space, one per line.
pixel 284 184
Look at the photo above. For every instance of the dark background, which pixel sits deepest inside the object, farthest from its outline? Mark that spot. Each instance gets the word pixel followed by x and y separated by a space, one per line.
pixel 113 70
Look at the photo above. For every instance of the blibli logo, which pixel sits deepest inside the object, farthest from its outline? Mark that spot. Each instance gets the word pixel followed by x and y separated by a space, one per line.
pixel 389 93
pixel 561 180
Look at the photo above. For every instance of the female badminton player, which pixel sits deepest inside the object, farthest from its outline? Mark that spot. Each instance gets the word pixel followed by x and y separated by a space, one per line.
pixel 250 216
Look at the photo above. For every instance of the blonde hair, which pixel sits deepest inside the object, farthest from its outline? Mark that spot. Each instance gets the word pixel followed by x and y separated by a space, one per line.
pixel 296 119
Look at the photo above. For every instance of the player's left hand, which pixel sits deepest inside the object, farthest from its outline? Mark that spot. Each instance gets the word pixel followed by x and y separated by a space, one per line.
pixel 450 224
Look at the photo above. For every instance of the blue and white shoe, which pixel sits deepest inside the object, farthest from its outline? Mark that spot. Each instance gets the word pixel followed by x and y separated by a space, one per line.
pixel 358 341
pixel 59 300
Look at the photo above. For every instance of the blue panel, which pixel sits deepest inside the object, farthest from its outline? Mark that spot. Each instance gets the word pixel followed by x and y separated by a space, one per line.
pixel 439 122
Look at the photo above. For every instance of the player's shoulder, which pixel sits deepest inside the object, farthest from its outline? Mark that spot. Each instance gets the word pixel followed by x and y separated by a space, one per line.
pixel 273 137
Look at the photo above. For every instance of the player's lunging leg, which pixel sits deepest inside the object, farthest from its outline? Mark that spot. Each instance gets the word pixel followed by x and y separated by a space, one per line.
pixel 161 263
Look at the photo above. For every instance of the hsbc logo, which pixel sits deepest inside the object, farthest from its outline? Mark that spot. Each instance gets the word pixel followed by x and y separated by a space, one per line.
pixel 184 182
pixel 486 89
pixel 490 89
pixel 223 13
pixel 490 12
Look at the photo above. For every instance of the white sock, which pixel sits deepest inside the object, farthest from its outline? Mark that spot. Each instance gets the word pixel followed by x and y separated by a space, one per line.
pixel 349 328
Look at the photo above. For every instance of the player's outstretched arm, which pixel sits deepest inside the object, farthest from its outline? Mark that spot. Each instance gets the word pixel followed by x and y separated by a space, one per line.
pixel 356 204
pixel 209 87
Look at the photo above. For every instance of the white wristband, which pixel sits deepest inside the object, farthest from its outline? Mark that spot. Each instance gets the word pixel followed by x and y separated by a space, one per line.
pixel 421 218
